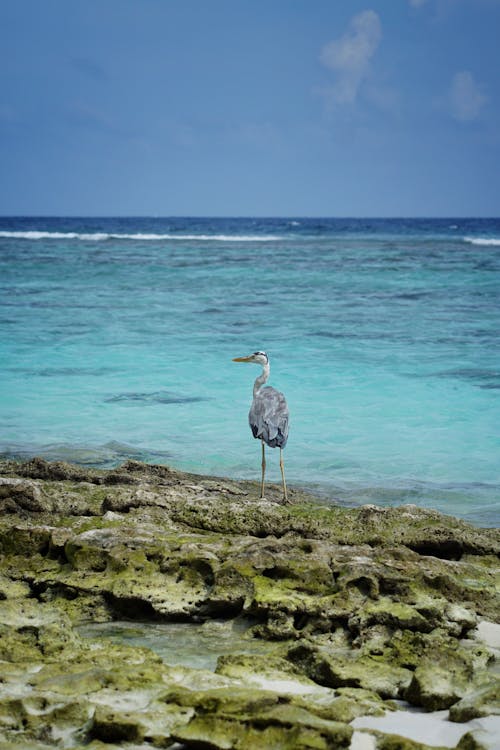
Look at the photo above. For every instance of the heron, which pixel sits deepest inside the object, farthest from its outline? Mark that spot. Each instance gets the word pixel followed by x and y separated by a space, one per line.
pixel 268 415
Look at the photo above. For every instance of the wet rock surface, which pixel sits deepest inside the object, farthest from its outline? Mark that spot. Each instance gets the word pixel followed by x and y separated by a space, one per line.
pixel 360 608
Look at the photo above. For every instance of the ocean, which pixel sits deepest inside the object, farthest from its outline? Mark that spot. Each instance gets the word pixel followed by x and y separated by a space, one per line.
pixel 117 335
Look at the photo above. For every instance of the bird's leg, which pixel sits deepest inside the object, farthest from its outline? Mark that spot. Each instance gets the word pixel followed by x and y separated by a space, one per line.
pixel 263 469
pixel 282 467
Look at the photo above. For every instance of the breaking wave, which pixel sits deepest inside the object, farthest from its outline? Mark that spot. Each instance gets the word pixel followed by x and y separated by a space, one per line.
pixel 485 241
pixel 100 236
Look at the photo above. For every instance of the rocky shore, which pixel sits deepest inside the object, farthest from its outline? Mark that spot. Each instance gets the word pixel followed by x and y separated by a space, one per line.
pixel 359 610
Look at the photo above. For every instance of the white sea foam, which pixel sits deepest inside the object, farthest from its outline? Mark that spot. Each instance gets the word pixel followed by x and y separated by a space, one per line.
pixel 34 235
pixel 485 241
pixel 99 236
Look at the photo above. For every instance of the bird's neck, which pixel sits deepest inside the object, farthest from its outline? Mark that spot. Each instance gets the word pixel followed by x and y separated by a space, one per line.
pixel 259 382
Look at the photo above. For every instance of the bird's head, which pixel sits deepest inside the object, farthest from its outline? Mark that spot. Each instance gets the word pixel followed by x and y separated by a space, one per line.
pixel 257 358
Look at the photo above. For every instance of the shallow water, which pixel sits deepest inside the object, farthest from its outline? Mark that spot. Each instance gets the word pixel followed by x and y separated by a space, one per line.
pixel 116 340
pixel 182 644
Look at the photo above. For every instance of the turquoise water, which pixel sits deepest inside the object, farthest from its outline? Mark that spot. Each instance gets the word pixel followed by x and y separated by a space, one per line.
pixel 116 340
pixel 183 643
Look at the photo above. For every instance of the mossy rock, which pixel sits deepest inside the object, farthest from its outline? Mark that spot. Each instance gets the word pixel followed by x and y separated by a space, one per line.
pixel 347 670
pixel 396 742
pixel 447 672
pixel 283 726
pixel 112 727
pixel 482 701
pixel 436 687
pixel 469 741
pixel 361 606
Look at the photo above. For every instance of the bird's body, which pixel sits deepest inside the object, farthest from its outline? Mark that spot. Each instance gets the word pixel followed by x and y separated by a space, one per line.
pixel 268 416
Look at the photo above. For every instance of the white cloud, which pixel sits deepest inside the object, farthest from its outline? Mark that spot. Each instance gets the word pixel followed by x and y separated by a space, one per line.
pixel 417 3
pixel 465 97
pixel 350 56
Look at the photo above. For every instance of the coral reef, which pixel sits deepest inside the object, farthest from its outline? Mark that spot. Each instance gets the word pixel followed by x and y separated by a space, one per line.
pixel 358 607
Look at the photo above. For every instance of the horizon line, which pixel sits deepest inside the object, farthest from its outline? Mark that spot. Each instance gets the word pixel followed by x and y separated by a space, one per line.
pixel 346 217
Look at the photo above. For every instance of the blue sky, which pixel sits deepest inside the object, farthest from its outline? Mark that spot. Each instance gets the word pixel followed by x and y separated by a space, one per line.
pixel 250 107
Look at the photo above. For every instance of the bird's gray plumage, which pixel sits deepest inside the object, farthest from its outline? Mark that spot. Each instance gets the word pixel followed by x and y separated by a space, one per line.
pixel 268 417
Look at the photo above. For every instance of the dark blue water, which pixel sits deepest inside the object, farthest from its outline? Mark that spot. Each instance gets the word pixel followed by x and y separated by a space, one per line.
pixel 116 340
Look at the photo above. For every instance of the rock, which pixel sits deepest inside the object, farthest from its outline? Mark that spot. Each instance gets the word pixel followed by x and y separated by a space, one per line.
pixel 440 681
pixel 482 701
pixel 358 606
pixel 469 741
pixel 395 615
pixel 242 727
pixel 111 726
pixel 16 494
pixel 460 620
pixel 38 468
pixel 270 673
pixel 10 589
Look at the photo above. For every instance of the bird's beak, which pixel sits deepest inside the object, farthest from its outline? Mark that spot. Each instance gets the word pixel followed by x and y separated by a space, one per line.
pixel 242 359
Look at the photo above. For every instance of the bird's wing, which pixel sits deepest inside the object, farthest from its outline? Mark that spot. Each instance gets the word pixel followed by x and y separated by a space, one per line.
pixel 268 417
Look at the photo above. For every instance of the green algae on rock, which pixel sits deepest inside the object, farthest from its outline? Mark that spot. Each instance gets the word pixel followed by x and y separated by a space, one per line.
pixel 359 607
